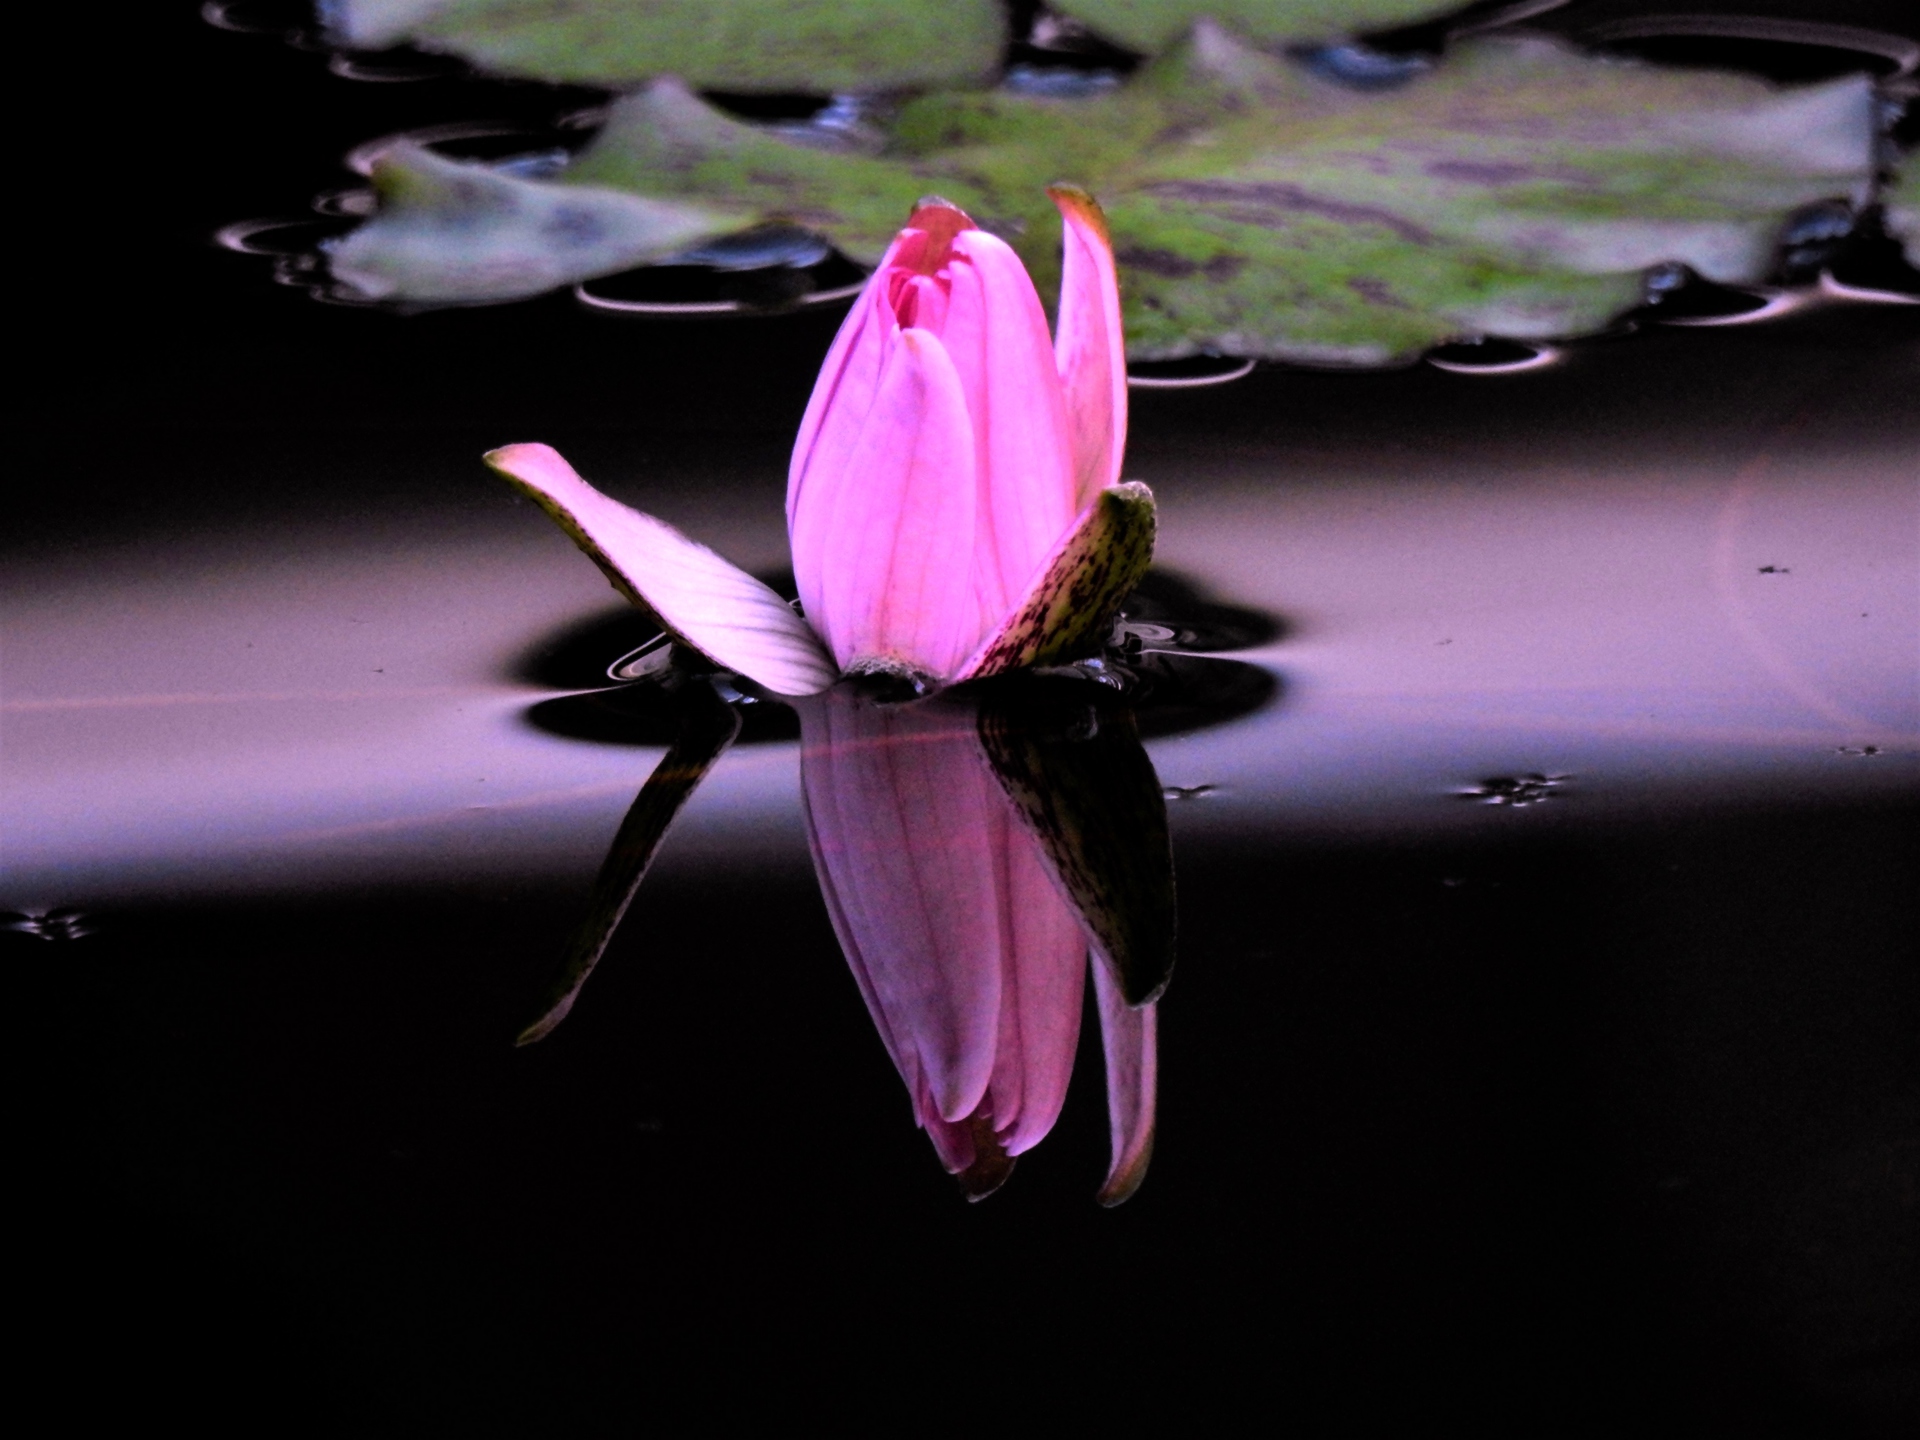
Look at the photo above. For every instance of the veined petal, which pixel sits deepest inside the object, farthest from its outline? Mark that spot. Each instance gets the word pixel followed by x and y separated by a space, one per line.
pixel 1077 592
pixel 842 396
pixel 1130 1037
pixel 881 549
pixel 850 375
pixel 1088 346
pixel 996 333
pixel 708 603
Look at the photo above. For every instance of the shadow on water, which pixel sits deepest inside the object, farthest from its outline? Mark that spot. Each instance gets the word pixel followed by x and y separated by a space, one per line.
pixel 1164 658
pixel 578 656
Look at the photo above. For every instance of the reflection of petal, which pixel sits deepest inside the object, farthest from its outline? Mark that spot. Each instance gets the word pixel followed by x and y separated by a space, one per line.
pixel 896 811
pixel 966 955
pixel 717 608
pixel 1130 1036
pixel 1044 981
pixel 707 727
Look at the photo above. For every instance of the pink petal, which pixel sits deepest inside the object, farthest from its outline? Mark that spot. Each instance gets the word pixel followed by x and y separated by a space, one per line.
pixel 1131 1039
pixel 881 549
pixel 844 393
pixel 1089 348
pixel 850 375
pixel 996 333
pixel 712 605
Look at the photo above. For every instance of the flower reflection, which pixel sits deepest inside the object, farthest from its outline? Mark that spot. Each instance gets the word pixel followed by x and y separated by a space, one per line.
pixel 964 933
pixel 975 851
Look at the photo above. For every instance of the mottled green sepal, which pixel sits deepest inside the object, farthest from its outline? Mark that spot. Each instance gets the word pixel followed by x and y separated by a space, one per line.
pixel 1071 607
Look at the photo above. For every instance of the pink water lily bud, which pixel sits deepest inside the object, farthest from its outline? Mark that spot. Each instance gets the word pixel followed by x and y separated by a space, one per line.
pixel 951 448
pixel 954 503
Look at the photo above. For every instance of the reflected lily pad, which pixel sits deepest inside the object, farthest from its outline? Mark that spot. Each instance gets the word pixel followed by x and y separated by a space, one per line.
pixel 1521 189
pixel 740 45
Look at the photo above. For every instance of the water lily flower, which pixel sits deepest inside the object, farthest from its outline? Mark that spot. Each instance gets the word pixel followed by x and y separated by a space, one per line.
pixel 954 503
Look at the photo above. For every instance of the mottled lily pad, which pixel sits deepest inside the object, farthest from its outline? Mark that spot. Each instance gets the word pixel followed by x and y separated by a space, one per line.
pixel 1520 189
pixel 448 232
pixel 1150 26
pixel 739 45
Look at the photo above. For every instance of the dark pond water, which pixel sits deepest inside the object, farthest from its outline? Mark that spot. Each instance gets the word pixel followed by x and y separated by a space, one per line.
pixel 1540 1053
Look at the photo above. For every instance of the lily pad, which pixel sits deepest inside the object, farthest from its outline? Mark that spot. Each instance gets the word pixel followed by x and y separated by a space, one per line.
pixel 448 232
pixel 1903 210
pixel 1150 26
pixel 1520 189
pixel 739 45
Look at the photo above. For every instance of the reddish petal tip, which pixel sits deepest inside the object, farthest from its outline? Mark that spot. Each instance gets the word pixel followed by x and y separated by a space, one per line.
pixel 940 219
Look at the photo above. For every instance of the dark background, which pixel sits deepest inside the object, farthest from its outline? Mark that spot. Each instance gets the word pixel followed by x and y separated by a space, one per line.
pixel 1612 1134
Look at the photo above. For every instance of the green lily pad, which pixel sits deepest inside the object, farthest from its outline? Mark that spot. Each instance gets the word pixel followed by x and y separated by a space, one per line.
pixel 1150 26
pixel 448 233
pixel 739 45
pixel 1520 189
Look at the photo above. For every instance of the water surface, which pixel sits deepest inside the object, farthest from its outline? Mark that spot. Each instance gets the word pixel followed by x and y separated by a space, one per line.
pixel 1540 1051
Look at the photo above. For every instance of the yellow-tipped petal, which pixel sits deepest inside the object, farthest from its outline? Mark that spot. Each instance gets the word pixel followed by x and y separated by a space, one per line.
pixel 1088 346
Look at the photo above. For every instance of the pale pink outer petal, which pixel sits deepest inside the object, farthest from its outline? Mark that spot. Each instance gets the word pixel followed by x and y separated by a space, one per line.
pixel 899 814
pixel 1130 1036
pixel 849 379
pixel 711 604
pixel 996 333
pixel 1089 347
pixel 882 551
